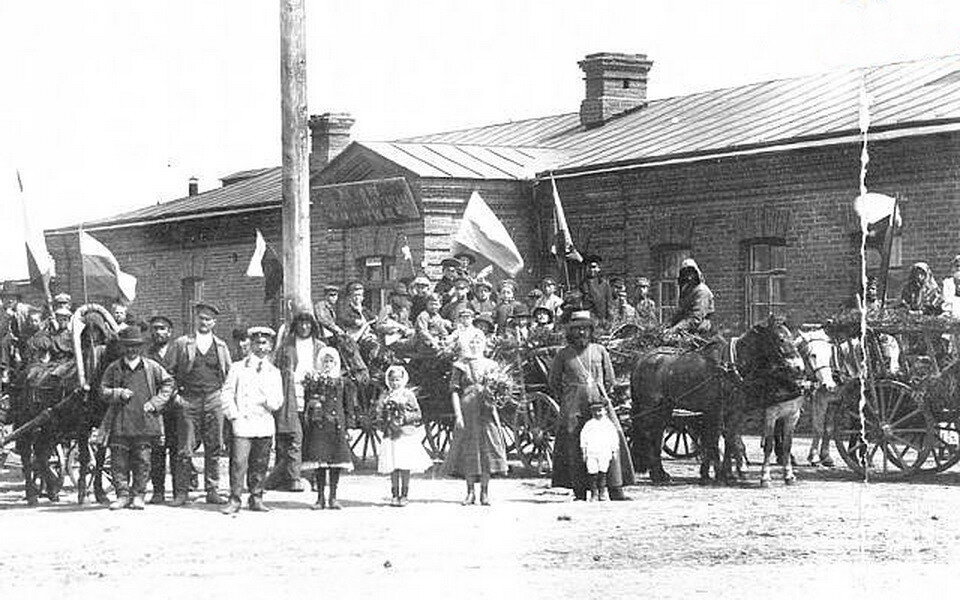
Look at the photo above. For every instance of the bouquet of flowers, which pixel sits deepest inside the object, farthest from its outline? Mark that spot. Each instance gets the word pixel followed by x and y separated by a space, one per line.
pixel 314 384
pixel 498 387
pixel 391 418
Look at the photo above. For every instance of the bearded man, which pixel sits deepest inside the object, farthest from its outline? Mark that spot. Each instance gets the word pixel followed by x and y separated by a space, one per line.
pixel 581 374
pixel 695 304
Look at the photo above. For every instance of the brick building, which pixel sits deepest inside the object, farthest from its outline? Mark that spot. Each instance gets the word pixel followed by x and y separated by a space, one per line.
pixel 755 182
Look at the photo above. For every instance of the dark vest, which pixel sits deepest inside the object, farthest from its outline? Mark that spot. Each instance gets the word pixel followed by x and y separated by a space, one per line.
pixel 204 377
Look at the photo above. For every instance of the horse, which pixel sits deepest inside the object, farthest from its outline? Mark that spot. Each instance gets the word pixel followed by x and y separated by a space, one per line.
pixel 720 381
pixel 58 403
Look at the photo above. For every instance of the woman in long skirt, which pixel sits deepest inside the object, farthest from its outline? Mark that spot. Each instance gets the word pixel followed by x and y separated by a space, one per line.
pixel 478 449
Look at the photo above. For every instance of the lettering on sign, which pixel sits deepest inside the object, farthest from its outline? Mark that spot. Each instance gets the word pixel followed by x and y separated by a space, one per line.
pixel 365 202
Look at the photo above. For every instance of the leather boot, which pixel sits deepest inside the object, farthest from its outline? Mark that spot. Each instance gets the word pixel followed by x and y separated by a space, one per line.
pixel 233 506
pixel 257 505
pixel 121 502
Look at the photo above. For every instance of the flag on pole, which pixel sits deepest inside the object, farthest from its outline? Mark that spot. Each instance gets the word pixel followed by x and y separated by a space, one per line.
pixel 255 268
pixel 101 271
pixel 40 264
pixel 482 234
pixel 563 241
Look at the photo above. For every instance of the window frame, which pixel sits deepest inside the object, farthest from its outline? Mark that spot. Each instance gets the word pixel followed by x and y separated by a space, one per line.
pixel 666 276
pixel 765 276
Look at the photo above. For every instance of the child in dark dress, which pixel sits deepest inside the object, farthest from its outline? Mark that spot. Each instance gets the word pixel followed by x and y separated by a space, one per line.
pixel 325 440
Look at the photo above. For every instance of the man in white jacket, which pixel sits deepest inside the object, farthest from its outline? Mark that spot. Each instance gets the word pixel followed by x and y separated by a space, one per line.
pixel 251 394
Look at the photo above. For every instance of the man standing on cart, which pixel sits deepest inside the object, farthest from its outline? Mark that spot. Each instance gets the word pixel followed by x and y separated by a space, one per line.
pixel 582 373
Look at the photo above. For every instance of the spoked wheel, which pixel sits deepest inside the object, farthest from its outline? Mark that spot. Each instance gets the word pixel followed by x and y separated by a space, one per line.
pixel 894 438
pixel 437 437
pixel 945 445
pixel 366 444
pixel 534 428
pixel 73 462
pixel 681 438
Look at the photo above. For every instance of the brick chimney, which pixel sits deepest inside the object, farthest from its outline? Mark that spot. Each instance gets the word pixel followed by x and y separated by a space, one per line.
pixel 329 135
pixel 193 186
pixel 615 83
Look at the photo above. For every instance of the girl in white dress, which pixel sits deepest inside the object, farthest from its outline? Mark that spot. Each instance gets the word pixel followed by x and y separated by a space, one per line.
pixel 401 451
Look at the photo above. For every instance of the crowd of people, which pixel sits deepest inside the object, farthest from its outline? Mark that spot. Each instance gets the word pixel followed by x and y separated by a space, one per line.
pixel 284 390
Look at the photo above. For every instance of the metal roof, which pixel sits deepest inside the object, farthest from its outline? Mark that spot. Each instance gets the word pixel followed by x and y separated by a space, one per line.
pixel 467 161
pixel 811 107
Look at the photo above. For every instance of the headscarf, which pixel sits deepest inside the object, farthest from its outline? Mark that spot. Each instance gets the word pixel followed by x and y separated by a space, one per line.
pixel 924 296
pixel 404 376
pixel 321 357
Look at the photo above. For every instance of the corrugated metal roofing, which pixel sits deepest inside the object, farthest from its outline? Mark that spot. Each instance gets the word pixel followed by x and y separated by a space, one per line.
pixel 788 110
pixel 467 161
pixel 814 106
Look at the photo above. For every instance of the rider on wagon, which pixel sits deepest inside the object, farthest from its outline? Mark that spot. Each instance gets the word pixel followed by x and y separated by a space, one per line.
pixel 695 305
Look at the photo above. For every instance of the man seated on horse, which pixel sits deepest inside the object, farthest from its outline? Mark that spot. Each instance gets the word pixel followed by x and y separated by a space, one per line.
pixel 694 307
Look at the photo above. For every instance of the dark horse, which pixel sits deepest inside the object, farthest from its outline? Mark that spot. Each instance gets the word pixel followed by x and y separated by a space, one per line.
pixel 719 381
pixel 58 403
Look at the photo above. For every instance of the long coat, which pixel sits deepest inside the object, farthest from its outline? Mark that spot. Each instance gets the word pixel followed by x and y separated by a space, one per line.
pixel 288 418
pixel 578 377
pixel 129 418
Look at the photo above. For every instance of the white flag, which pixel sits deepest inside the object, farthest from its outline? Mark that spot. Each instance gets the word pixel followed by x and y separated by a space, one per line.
pixel 482 234
pixel 255 268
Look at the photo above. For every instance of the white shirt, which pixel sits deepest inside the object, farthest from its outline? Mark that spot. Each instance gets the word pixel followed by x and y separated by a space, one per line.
pixel 305 352
pixel 252 393
pixel 950 299
pixel 204 341
pixel 132 364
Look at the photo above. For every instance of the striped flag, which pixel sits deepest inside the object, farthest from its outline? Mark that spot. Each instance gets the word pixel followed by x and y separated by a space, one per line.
pixel 101 271
pixel 563 241
pixel 40 264
pixel 482 234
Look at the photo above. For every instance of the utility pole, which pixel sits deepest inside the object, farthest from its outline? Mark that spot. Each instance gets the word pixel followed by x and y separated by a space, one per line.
pixel 296 166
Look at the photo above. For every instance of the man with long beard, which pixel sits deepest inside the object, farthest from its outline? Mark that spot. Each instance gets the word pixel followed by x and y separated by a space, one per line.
pixel 581 374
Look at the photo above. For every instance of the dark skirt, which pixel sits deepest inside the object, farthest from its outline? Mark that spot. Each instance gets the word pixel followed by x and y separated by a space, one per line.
pixel 479 448
pixel 327 444
pixel 569 469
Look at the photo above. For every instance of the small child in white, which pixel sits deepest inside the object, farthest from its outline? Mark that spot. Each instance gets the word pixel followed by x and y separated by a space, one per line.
pixel 401 451
pixel 599 443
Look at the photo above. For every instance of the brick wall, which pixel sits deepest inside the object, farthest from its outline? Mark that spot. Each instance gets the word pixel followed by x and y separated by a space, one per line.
pixel 216 251
pixel 804 197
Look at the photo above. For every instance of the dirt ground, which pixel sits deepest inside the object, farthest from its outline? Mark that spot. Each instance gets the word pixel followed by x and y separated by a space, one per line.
pixel 829 534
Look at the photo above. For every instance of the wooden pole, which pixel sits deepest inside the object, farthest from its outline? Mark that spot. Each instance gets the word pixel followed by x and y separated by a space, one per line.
pixel 296 166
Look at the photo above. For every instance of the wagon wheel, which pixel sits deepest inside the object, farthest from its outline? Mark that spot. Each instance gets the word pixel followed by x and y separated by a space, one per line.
pixel 436 438
pixel 366 444
pixel 681 439
pixel 894 437
pixel 534 429
pixel 939 396
pixel 72 465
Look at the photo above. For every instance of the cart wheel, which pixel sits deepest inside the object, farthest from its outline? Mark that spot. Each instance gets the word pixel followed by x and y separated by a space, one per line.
pixel 534 426
pixel 893 440
pixel 72 468
pixel 681 439
pixel 945 446
pixel 366 444
pixel 437 437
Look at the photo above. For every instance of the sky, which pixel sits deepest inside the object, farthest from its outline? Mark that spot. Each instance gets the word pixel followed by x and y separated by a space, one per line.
pixel 111 105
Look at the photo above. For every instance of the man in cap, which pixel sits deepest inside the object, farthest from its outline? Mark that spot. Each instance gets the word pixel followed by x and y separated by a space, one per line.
pixel 694 305
pixel 393 324
pixel 533 298
pixel 160 351
pixel 648 317
pixel 507 306
pixel 200 366
pixel 252 393
pixel 597 294
pixel 325 311
pixel 450 268
pixel 137 388
pixel 418 299
pixel 466 261
pixel 459 299
pixel 357 321
pixel 61 336
pixel 581 374
pixel 63 300
pixel 121 314
pixel 485 324
pixel 550 299
pixel 620 312
pixel 482 303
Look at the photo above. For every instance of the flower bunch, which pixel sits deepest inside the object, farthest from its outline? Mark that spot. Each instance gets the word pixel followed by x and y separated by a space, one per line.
pixel 314 384
pixel 498 387
pixel 391 418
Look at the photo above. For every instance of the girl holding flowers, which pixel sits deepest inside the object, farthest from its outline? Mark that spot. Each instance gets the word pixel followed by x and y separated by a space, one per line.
pixel 478 449
pixel 401 451
pixel 325 440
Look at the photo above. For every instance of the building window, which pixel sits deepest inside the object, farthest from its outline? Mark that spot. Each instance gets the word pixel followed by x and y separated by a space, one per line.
pixel 766 278
pixel 378 276
pixel 668 267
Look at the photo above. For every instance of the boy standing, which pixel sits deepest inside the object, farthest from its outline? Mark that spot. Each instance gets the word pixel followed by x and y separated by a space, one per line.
pixel 137 388
pixel 252 393
pixel 599 443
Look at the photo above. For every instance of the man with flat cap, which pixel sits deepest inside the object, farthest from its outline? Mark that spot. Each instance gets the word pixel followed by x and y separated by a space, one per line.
pixel 160 350
pixel 450 268
pixel 483 302
pixel 61 337
pixel 63 300
pixel 597 294
pixel 459 299
pixel 325 311
pixel 200 366
pixel 420 290
pixel 252 393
